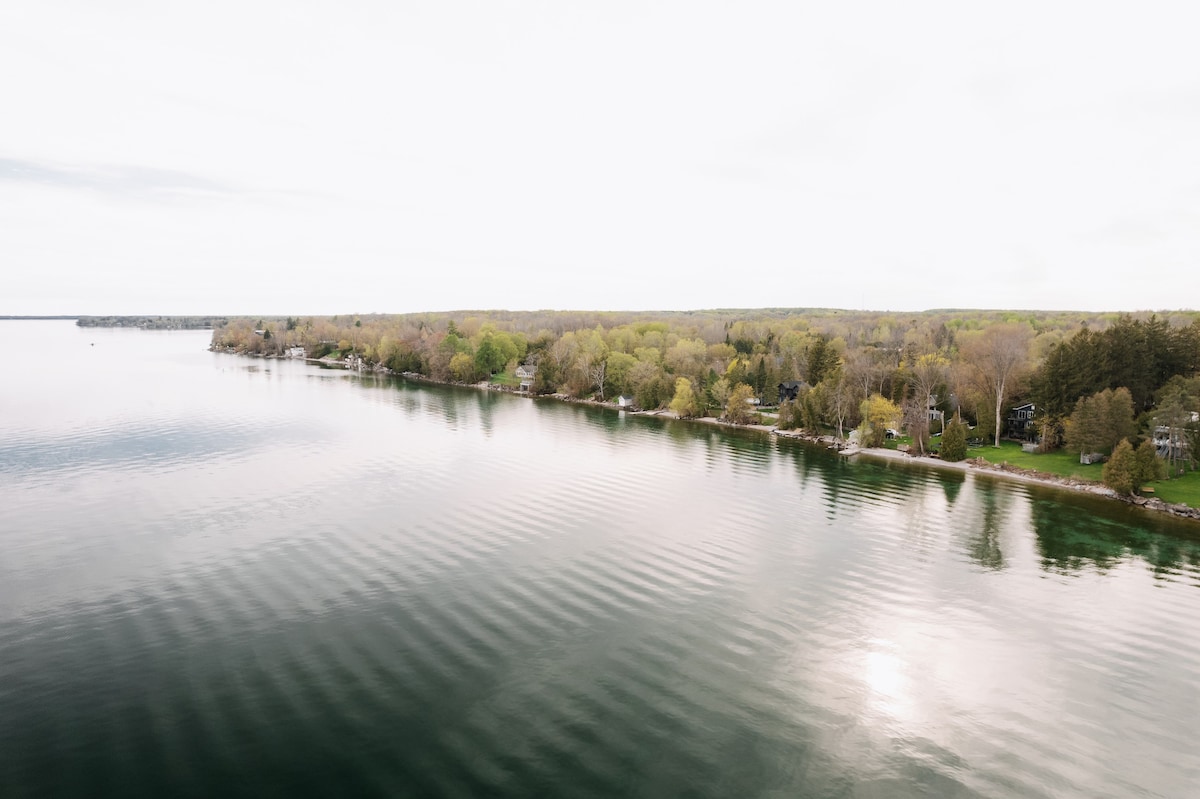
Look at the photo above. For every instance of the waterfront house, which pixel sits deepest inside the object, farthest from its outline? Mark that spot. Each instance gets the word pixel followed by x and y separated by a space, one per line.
pixel 525 374
pixel 625 401
pixel 1020 422
pixel 1170 441
pixel 790 389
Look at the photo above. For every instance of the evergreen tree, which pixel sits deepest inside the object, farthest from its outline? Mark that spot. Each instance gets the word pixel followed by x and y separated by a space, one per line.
pixel 954 442
pixel 1149 466
pixel 1120 473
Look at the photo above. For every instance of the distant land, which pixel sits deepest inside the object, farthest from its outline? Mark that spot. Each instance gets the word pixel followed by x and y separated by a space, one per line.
pixel 154 322
pixel 36 318
pixel 145 322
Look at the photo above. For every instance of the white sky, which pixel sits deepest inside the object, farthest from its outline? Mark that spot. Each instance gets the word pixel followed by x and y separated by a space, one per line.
pixel 328 157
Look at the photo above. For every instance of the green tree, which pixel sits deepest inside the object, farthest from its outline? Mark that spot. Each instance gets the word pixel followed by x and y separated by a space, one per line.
pixel 488 359
pixel 720 391
pixel 651 388
pixel 616 376
pixel 1100 421
pixel 739 410
pixel 686 358
pixel 810 410
pixel 684 403
pixel 1121 472
pixel 790 416
pixel 462 367
pixel 822 359
pixel 954 442
pixel 1149 466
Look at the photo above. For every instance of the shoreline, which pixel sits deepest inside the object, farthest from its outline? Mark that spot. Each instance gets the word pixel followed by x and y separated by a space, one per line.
pixel 977 466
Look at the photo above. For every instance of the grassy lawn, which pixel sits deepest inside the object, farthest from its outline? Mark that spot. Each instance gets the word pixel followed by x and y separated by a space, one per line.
pixel 1061 462
pixel 505 379
pixel 1185 489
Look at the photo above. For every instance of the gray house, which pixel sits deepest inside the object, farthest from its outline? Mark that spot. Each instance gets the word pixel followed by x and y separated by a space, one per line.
pixel 790 389
pixel 1020 423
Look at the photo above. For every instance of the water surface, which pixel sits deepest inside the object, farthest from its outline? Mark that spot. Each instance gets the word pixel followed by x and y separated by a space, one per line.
pixel 230 576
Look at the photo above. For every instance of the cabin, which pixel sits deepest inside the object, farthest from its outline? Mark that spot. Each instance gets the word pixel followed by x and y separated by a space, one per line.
pixel 525 374
pixel 790 389
pixel 1020 423
pixel 625 401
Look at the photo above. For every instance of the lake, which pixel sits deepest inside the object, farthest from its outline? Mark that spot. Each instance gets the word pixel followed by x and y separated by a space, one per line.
pixel 232 576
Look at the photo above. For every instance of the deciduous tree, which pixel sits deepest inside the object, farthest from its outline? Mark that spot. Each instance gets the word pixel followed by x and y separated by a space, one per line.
pixel 684 403
pixel 462 367
pixel 878 412
pixel 998 357
pixel 926 374
pixel 738 409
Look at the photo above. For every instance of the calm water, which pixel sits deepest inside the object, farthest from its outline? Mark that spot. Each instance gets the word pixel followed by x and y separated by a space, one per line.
pixel 227 576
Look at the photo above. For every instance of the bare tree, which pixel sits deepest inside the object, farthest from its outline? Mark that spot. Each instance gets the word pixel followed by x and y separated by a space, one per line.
pixel 925 373
pixel 841 399
pixel 996 358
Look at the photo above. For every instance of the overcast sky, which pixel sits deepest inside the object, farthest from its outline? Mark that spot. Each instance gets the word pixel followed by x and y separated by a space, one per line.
pixel 323 157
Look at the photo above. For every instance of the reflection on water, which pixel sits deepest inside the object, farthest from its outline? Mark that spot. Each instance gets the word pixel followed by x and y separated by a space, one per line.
pixel 222 576
pixel 1069 539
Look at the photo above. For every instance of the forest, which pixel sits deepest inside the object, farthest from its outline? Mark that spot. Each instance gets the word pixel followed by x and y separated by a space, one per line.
pixel 834 370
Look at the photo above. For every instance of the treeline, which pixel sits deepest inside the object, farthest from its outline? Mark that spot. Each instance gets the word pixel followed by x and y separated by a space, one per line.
pixel 843 367
pixel 154 322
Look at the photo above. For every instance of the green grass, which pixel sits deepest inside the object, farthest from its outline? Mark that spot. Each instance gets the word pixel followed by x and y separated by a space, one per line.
pixel 1185 489
pixel 1061 462
pixel 1182 489
pixel 505 379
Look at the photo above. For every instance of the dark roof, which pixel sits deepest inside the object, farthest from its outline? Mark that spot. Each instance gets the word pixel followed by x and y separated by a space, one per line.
pixel 792 384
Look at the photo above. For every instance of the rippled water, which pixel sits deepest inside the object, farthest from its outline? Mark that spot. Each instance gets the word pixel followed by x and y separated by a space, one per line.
pixel 227 576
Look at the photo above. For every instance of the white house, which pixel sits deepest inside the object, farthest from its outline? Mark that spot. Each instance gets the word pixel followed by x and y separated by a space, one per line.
pixel 1170 442
pixel 525 373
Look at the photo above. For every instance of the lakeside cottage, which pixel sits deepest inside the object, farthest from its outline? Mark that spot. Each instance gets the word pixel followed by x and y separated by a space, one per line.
pixel 625 401
pixel 525 374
